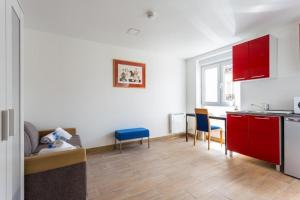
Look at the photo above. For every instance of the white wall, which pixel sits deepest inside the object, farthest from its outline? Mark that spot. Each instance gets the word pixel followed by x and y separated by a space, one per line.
pixel 277 92
pixel 191 85
pixel 69 83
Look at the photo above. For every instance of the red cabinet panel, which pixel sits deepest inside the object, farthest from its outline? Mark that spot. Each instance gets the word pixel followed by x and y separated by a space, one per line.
pixel 259 57
pixel 238 134
pixel 264 134
pixel 240 62
pixel 251 60
pixel 255 136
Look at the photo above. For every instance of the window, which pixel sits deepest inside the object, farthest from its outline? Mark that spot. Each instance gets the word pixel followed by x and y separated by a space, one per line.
pixel 210 84
pixel 218 89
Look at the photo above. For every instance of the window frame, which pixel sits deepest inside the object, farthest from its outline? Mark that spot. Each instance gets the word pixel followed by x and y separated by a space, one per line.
pixel 220 94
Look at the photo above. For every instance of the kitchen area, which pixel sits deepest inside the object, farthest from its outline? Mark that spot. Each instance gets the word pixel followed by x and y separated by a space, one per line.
pixel 259 130
pixel 264 121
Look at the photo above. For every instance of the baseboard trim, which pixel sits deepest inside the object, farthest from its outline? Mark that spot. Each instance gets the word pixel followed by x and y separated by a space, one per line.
pixel 111 147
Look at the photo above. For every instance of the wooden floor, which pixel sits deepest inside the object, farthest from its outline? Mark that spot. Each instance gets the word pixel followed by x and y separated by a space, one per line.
pixel 173 169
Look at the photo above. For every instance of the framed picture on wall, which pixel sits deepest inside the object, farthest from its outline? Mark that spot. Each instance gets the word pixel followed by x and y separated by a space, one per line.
pixel 129 74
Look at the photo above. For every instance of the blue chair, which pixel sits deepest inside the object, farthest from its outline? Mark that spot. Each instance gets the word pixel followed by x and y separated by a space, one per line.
pixel 203 125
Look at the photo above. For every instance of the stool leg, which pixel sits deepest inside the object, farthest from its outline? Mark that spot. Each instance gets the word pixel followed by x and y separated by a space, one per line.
pixel 115 147
pixel 120 146
pixel 148 142
pixel 142 141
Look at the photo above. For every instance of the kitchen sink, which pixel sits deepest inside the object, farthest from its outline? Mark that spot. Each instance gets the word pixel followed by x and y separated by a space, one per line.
pixel 269 111
pixel 252 111
pixel 279 111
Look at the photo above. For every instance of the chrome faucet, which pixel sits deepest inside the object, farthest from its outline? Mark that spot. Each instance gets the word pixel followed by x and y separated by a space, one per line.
pixel 265 106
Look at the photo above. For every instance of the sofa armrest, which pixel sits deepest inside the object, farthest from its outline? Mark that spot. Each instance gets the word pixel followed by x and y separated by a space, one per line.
pixel 41 163
pixel 42 133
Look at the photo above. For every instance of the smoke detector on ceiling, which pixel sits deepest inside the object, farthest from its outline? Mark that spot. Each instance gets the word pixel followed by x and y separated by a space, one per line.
pixel 133 31
pixel 150 14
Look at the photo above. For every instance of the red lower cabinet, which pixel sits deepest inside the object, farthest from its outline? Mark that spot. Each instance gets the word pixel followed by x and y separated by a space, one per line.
pixel 255 136
pixel 264 134
pixel 238 134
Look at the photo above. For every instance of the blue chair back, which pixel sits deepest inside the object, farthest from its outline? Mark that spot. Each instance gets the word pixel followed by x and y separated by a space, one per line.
pixel 202 120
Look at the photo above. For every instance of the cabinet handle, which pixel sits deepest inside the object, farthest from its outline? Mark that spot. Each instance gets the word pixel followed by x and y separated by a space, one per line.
pixel 265 118
pixel 236 116
pixel 5 125
pixel 258 76
pixel 11 114
pixel 239 79
pixel 292 119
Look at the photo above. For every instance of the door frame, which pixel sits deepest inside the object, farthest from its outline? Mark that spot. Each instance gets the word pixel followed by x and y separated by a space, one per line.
pixel 15 5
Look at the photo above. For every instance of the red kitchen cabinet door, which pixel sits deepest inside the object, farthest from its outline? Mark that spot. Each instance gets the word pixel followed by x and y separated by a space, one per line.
pixel 238 134
pixel 264 134
pixel 240 64
pixel 259 57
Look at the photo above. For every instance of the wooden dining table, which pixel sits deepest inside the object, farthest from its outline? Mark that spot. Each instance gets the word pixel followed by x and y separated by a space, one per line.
pixel 217 117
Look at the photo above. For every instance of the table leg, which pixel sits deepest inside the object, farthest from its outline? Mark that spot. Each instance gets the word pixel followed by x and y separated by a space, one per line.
pixel 225 126
pixel 186 129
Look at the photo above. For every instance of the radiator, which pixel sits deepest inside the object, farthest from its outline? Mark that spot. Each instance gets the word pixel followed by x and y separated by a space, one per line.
pixel 177 123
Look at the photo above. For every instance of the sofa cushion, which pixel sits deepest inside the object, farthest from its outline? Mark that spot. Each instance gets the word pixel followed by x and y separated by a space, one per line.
pixel 33 134
pixel 27 145
pixel 75 141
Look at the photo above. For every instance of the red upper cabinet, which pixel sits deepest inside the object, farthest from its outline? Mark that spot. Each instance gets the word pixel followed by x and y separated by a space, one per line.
pixel 259 57
pixel 238 134
pixel 255 59
pixel 240 62
pixel 264 134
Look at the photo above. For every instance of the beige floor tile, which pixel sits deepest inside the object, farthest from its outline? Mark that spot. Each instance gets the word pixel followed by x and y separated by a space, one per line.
pixel 176 170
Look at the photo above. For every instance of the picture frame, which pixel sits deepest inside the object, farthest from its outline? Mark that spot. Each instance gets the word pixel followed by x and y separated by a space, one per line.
pixel 128 74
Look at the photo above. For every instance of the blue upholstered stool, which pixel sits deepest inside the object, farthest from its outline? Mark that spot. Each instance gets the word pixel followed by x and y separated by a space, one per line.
pixel 132 133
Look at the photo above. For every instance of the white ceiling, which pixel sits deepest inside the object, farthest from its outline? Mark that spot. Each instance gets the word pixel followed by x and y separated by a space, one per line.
pixel 181 28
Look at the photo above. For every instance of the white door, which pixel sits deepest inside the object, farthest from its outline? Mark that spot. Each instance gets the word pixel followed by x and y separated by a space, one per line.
pixel 3 142
pixel 15 147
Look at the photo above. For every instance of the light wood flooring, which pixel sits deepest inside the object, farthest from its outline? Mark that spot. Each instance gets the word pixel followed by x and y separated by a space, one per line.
pixel 173 169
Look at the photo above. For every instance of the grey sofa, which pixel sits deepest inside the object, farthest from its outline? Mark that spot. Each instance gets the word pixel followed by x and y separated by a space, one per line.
pixel 53 176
